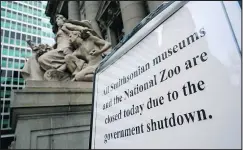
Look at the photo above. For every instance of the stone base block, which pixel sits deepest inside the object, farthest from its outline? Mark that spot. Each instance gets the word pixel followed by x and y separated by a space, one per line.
pixel 52 115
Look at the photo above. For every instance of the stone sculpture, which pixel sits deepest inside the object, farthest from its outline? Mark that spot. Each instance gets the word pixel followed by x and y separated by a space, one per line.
pixel 90 48
pixel 75 55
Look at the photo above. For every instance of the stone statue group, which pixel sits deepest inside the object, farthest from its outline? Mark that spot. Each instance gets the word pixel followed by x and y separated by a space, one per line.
pixel 75 55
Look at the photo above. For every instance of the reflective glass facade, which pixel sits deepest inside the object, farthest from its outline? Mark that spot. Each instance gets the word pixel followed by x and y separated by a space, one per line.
pixel 20 20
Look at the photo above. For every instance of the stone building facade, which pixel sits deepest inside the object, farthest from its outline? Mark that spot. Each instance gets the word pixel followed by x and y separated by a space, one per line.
pixel 111 19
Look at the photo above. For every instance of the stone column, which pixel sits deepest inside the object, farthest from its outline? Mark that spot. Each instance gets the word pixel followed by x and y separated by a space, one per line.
pixel 153 5
pixel 132 13
pixel 81 9
pixel 73 10
pixel 91 9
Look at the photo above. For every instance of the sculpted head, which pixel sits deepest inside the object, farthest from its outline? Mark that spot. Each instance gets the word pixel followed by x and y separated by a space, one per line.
pixel 60 20
pixel 76 37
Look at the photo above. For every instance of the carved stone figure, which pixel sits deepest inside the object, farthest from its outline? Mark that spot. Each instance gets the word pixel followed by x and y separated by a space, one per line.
pixel 89 48
pixel 55 59
pixel 75 55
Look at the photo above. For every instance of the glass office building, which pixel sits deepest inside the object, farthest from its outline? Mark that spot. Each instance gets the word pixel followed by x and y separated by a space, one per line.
pixel 20 20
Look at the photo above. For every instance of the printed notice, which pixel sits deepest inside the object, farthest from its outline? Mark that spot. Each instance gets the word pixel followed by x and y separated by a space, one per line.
pixel 177 88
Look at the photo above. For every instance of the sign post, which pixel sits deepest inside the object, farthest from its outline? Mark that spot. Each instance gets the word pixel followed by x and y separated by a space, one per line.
pixel 175 84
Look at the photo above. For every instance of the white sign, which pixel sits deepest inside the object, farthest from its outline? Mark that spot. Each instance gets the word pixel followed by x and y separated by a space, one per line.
pixel 179 87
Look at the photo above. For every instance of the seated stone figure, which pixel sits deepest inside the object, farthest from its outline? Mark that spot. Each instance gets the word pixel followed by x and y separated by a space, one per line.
pixel 88 47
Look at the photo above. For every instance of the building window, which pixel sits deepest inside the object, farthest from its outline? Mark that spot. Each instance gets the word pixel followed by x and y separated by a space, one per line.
pixel 35 21
pixel 19 16
pixel 26 9
pixel 12 41
pixel 24 28
pixel 2 21
pixel 25 18
pixel 39 40
pixel 17 52
pixel 5 50
pixel 29 29
pixel 10 63
pixel 23 53
pixel 9 4
pixel 35 4
pixel 28 37
pixel 34 39
pixel 20 7
pixel 19 26
pixel 3 79
pixel 7 24
pixel 13 26
pixel 14 15
pixel 35 30
pixel 29 19
pixel 39 13
pixel 18 36
pixel 3 71
pixel 3 12
pixel 7 95
pixel 2 94
pixel 8 13
pixel 3 3
pixel 15 5
pixel 35 11
pixel 11 51
pixel 6 34
pixel 9 72
pixel 12 35
pixel 22 62
pixel 24 37
pixel 16 66
pixel 15 88
pixel 6 40
pixel 7 105
pixel 3 64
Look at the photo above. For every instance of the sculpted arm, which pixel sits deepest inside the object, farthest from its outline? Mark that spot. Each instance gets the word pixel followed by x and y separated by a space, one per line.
pixel 65 30
pixel 72 27
pixel 100 42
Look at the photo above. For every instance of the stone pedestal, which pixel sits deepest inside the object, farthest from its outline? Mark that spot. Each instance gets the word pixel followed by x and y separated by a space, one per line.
pixel 52 115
